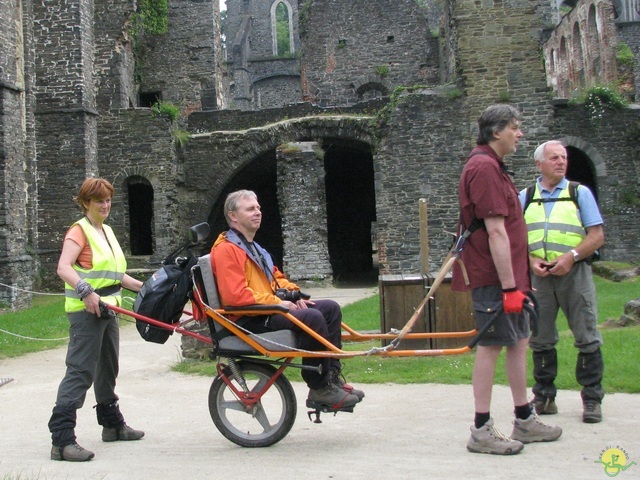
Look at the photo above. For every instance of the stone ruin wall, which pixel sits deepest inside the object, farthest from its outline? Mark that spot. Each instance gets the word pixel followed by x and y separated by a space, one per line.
pixel 83 123
pixel 371 47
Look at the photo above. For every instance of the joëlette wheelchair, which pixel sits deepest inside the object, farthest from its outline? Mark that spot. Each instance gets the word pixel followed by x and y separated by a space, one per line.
pixel 251 401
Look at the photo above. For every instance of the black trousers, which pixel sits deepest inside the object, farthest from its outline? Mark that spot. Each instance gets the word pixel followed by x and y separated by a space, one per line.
pixel 325 318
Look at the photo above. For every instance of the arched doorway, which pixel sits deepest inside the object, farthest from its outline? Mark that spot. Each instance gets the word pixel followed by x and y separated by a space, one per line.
pixel 140 195
pixel 259 176
pixel 581 169
pixel 350 208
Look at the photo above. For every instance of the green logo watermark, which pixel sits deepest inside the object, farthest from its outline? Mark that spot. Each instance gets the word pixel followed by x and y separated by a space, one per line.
pixel 614 460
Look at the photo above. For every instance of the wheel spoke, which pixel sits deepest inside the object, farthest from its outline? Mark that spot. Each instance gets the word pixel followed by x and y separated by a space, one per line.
pixel 261 416
pixel 232 405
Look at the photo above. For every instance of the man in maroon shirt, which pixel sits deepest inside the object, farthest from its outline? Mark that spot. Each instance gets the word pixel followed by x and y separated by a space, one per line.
pixel 496 259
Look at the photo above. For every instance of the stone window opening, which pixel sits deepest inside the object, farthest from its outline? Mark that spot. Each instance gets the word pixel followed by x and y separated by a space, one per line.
pixel 342 43
pixel 149 99
pixel 282 28
pixel 391 38
pixel 140 199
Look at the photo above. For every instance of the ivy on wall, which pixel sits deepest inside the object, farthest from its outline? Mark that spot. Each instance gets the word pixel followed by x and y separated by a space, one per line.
pixel 153 16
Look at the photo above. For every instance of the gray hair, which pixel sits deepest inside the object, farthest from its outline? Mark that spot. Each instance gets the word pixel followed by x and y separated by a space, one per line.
pixel 231 203
pixel 493 119
pixel 538 154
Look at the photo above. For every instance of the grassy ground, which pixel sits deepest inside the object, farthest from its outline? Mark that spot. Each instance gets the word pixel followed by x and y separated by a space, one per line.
pixel 47 320
pixel 41 327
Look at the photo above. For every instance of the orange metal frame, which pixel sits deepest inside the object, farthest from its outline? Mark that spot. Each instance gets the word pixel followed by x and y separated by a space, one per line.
pixel 220 315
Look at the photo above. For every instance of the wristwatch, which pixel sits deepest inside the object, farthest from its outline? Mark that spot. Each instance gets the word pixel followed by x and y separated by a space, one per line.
pixel 576 257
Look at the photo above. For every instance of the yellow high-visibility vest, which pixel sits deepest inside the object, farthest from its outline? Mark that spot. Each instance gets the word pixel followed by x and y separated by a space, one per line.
pixel 559 233
pixel 109 266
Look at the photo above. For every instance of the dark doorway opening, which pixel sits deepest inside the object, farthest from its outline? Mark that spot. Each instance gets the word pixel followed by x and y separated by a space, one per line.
pixel 259 176
pixel 140 193
pixel 581 169
pixel 351 211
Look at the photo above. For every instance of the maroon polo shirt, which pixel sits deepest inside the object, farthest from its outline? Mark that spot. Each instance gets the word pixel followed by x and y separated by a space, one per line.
pixel 486 190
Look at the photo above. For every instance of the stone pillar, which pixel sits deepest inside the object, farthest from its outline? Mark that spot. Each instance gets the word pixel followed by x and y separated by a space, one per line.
pixel 15 264
pixel 65 121
pixel 303 208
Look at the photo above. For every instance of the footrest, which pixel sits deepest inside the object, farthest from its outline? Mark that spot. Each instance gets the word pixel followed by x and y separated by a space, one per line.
pixel 324 408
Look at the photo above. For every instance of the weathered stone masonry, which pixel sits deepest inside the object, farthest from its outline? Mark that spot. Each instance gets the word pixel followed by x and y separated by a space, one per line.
pixel 70 79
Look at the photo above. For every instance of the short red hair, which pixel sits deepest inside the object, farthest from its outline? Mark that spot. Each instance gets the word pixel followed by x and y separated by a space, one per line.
pixel 93 189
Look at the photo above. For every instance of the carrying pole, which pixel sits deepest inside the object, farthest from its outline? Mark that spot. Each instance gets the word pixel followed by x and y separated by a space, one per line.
pixel 424 237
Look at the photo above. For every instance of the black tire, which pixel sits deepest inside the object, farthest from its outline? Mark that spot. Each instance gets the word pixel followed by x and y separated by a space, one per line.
pixel 272 417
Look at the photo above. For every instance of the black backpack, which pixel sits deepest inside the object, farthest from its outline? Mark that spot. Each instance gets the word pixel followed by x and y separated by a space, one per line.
pixel 163 297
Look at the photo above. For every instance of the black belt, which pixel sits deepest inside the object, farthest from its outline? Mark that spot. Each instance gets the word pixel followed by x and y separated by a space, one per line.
pixel 110 290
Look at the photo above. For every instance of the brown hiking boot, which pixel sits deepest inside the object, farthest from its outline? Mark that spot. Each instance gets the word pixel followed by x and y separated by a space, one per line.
pixel 331 396
pixel 71 453
pixel 592 412
pixel 124 432
pixel 488 439
pixel 533 430
pixel 545 405
pixel 337 378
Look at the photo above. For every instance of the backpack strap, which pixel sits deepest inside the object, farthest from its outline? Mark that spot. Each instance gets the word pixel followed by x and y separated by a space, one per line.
pixel 573 196
pixel 573 192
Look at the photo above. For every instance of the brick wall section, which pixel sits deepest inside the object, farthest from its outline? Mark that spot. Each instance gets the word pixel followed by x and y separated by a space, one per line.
pixel 364 36
pixel 135 143
pixel 581 51
pixel 421 155
pixel 495 62
pixel 65 117
pixel 114 59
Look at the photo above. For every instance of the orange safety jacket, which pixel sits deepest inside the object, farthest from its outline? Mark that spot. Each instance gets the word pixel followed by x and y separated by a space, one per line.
pixel 242 277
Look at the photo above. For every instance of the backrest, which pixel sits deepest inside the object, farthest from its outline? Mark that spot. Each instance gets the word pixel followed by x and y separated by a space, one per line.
pixel 209 281
pixel 281 339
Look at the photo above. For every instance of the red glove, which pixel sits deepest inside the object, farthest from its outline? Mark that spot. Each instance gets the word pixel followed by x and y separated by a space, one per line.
pixel 513 300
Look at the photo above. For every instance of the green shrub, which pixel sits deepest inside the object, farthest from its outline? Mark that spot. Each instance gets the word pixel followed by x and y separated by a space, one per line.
pixel 181 137
pixel 382 70
pixel 166 109
pixel 624 55
pixel 596 98
pixel 154 16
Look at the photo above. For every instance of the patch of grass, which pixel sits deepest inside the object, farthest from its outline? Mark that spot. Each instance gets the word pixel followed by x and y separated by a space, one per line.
pixel 29 330
pixel 45 319
pixel 181 137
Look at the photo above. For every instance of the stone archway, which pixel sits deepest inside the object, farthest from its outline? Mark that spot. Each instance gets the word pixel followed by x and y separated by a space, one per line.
pixel 346 164
pixel 586 165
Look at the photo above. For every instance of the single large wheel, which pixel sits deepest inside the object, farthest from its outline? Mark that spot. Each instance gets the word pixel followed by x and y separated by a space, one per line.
pixel 267 422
